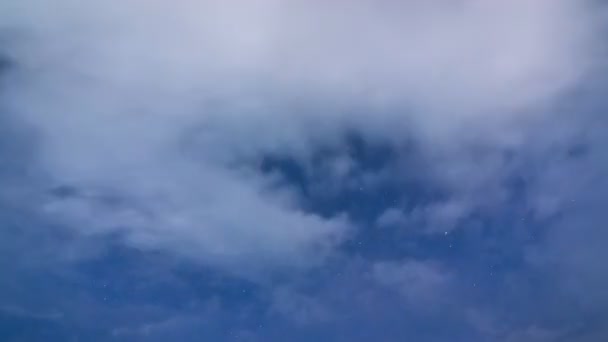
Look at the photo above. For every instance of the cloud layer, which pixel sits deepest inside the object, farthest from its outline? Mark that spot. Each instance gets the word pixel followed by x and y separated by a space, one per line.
pixel 296 170
pixel 152 117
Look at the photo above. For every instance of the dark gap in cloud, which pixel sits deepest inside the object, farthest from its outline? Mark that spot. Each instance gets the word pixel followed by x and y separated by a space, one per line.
pixel 15 327
pixel 579 150
pixel 64 191
pixel 105 198
pixel 370 155
pixel 289 168
pixel 366 189
pixel 5 64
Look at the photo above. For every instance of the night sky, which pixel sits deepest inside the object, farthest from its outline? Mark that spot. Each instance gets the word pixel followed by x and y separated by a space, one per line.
pixel 303 170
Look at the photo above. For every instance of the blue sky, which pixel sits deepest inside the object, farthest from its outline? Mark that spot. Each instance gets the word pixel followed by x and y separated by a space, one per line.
pixel 290 170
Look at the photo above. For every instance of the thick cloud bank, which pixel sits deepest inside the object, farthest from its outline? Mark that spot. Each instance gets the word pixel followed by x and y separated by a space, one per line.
pixel 151 118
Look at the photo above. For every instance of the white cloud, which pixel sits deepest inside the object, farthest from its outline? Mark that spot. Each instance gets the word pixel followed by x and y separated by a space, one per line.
pixel 153 102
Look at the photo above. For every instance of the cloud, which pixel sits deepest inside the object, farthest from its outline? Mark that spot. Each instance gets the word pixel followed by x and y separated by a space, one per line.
pixel 303 310
pixel 418 282
pixel 159 113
